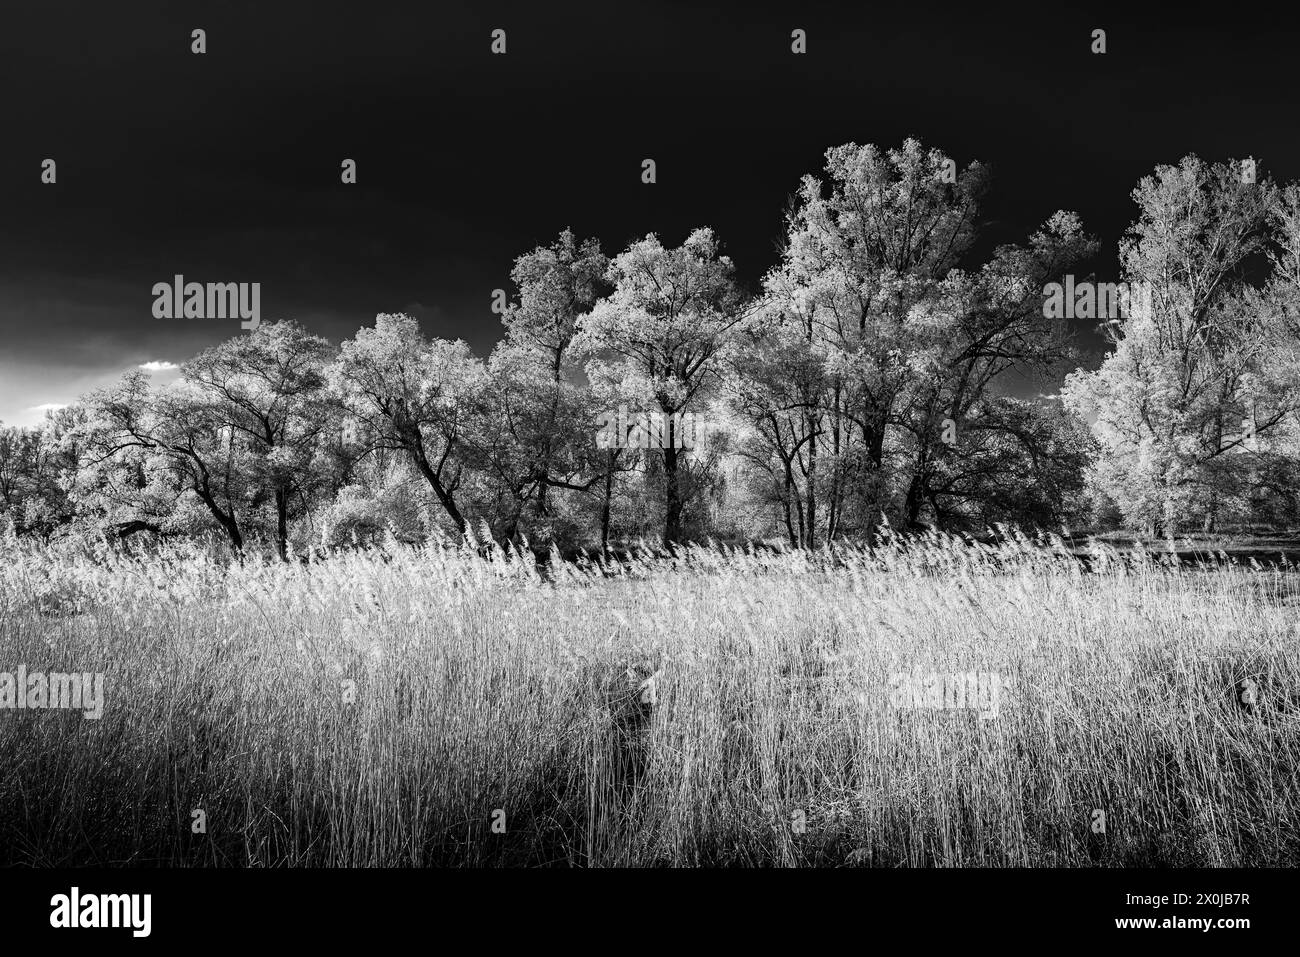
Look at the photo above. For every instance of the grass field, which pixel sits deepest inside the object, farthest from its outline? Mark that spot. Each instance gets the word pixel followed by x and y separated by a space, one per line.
pixel 721 707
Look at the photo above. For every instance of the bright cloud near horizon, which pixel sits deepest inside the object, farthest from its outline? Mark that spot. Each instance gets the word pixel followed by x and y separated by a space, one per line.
pixel 15 412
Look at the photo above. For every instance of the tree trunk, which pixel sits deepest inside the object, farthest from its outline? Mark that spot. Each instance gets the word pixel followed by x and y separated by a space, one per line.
pixel 233 533
pixel 672 496
pixel 444 497
pixel 812 481
pixel 836 494
pixel 912 507
pixel 227 521
pixel 611 458
pixel 916 495
pixel 282 524
pixel 785 505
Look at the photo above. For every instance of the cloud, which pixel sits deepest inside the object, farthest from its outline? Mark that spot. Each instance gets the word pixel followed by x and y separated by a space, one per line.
pixel 158 366
pixel 48 407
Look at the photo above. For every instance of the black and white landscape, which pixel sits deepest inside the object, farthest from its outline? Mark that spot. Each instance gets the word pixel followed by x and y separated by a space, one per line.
pixel 662 436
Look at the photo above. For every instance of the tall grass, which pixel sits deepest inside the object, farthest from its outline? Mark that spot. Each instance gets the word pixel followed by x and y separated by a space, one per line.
pixel 714 707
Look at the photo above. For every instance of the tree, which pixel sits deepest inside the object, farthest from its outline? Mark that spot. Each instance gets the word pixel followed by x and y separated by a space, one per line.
pixel 984 326
pixel 874 341
pixel 146 455
pixel 529 436
pixel 1192 384
pixel 666 323
pixel 19 453
pixel 265 390
pixel 1015 461
pixel 414 395
pixel 533 418
pixel 557 284
pixel 240 432
pixel 864 251
pixel 34 466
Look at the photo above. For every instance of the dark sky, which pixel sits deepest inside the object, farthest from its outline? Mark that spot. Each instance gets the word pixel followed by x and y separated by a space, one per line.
pixel 225 166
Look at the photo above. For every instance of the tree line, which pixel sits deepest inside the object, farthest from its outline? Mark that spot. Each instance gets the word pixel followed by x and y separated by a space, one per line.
pixel 877 374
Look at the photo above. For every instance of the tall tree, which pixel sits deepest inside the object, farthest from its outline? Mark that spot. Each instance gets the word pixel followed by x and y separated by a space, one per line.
pixel 1189 389
pixel 983 326
pixel 266 391
pixel 865 250
pixel 535 416
pixel 672 312
pixel 147 456
pixel 413 395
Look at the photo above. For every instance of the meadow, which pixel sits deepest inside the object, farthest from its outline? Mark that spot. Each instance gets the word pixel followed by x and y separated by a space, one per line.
pixel 718 706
